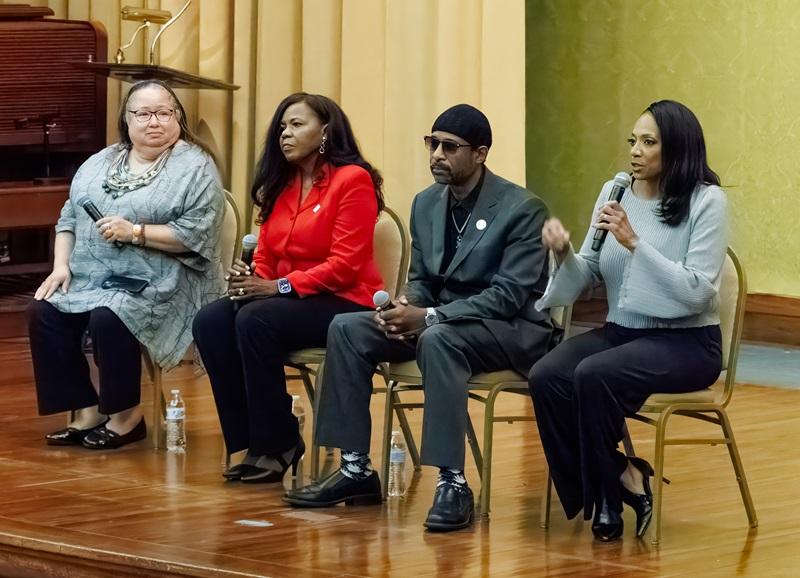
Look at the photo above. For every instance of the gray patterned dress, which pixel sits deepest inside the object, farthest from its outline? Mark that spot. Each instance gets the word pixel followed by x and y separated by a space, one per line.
pixel 187 197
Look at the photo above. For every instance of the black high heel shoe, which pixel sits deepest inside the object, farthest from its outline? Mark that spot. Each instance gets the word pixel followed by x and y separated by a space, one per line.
pixel 269 476
pixel 642 504
pixel 607 524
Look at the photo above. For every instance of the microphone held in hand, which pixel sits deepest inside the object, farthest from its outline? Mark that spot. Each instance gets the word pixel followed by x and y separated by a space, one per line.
pixel 95 215
pixel 249 244
pixel 621 182
pixel 382 300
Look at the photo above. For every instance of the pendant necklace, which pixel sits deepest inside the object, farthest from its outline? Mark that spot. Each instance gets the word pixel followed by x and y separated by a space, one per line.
pixel 460 230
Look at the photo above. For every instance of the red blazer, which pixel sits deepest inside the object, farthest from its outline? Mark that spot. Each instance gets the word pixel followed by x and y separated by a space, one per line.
pixel 325 245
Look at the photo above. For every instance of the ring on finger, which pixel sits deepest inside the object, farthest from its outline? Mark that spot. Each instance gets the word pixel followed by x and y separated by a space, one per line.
pixel 241 291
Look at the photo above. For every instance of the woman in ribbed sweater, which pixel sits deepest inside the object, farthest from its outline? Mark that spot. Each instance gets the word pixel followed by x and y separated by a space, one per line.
pixel 660 266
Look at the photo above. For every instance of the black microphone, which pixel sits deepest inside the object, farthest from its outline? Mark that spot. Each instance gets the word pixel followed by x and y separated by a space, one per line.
pixel 96 215
pixel 382 300
pixel 249 244
pixel 621 182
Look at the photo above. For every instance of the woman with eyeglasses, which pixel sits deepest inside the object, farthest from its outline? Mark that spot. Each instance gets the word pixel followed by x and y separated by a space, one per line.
pixel 318 203
pixel 660 266
pixel 136 256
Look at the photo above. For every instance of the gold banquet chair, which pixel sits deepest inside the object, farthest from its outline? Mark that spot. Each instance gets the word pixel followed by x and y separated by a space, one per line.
pixel 390 246
pixel 708 405
pixel 482 387
pixel 229 240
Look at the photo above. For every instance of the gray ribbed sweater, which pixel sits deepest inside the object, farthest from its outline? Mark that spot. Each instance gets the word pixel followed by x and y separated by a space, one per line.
pixel 670 280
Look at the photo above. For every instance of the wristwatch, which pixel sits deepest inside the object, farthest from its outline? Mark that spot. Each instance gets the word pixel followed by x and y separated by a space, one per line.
pixel 137 234
pixel 284 286
pixel 431 318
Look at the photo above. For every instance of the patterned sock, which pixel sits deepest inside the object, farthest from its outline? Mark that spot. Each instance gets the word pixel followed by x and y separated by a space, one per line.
pixel 355 465
pixel 452 477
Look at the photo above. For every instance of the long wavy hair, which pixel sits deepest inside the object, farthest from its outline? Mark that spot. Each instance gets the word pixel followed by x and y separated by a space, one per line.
pixel 683 159
pixel 274 172
pixel 180 113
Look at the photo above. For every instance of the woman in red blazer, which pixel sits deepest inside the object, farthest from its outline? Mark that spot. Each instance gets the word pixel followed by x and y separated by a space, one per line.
pixel 319 201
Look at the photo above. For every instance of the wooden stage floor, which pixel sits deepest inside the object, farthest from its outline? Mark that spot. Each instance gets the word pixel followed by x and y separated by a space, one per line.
pixel 136 512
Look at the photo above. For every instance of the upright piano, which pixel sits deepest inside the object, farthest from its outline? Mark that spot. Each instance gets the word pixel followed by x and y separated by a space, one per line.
pixel 52 118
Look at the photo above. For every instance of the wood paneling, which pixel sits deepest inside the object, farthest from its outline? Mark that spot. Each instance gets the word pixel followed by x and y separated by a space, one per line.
pixel 72 512
pixel 768 318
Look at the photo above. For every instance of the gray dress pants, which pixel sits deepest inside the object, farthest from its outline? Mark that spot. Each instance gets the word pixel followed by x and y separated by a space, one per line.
pixel 447 354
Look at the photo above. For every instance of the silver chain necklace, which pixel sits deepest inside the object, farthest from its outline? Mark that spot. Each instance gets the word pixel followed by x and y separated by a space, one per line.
pixel 460 230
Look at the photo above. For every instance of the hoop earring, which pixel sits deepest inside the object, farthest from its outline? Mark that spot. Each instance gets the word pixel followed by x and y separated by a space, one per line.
pixel 322 146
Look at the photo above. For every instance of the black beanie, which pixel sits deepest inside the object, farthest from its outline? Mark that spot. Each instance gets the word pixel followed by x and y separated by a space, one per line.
pixel 467 122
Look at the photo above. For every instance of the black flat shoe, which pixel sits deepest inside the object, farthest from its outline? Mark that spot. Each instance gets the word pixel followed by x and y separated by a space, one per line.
pixel 607 524
pixel 102 438
pixel 258 475
pixel 642 504
pixel 335 489
pixel 69 436
pixel 453 508
pixel 235 473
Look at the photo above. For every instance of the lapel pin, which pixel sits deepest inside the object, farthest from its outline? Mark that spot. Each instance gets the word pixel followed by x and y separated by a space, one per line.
pixel 480 225
pixel 316 209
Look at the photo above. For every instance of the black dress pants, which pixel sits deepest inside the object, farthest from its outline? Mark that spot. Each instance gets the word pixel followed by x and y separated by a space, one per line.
pixel 244 351
pixel 60 367
pixel 583 390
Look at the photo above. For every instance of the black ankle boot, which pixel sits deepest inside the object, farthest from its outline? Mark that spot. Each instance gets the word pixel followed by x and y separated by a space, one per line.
pixel 607 524
pixel 642 504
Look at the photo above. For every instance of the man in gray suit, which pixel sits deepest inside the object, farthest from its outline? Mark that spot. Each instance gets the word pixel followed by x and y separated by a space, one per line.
pixel 477 267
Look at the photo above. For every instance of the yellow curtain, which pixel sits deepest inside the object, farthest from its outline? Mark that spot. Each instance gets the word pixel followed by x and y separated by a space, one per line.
pixel 393 65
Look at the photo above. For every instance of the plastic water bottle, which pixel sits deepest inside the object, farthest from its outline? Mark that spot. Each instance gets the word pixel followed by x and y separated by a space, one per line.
pixel 299 412
pixel 176 423
pixel 397 467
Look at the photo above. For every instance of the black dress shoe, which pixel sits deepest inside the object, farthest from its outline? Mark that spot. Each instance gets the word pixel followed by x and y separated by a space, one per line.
pixel 453 508
pixel 292 457
pixel 69 436
pixel 102 438
pixel 236 472
pixel 607 524
pixel 642 504
pixel 337 488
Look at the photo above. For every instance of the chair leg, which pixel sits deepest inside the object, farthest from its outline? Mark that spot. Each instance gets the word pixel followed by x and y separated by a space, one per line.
pixel 388 414
pixel 486 467
pixel 159 409
pixel 627 443
pixel 547 494
pixel 314 397
pixel 402 419
pixel 738 468
pixel 658 478
pixel 472 440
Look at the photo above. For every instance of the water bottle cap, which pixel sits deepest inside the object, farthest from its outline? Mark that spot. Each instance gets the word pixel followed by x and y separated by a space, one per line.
pixel 295 397
pixel 174 391
pixel 395 433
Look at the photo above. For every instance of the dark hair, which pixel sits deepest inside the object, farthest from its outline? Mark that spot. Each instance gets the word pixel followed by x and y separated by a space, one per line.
pixel 180 113
pixel 274 172
pixel 683 159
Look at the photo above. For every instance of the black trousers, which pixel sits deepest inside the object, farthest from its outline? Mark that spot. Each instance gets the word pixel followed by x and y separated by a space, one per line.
pixel 244 350
pixel 583 390
pixel 60 367
pixel 447 355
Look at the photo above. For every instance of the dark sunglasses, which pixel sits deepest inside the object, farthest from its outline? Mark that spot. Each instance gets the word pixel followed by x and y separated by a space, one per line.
pixel 449 147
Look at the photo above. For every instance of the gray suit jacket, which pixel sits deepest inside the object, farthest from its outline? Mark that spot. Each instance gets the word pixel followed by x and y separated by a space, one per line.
pixel 496 275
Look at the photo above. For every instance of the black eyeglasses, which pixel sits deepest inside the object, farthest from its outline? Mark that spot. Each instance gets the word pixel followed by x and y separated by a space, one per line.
pixel 144 116
pixel 449 147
